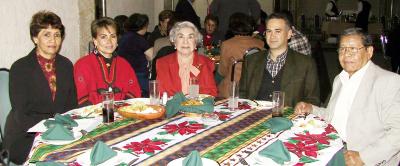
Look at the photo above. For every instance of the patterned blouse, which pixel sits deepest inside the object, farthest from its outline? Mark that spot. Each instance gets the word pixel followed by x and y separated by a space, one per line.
pixel 49 70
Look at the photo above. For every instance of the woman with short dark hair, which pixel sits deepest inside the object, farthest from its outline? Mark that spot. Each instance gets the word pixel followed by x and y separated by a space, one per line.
pixel 41 85
pixel 103 70
pixel 134 47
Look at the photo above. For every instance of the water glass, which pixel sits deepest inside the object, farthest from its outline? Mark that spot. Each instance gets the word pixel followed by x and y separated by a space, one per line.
pixel 194 88
pixel 154 92
pixel 278 101
pixel 108 106
pixel 233 96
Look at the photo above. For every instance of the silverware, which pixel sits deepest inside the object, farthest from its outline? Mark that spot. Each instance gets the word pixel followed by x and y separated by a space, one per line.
pixel 121 150
pixel 133 161
pixel 243 161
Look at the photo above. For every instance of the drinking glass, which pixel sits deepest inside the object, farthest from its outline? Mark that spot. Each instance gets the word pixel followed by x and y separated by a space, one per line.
pixel 233 96
pixel 194 88
pixel 154 92
pixel 278 101
pixel 108 106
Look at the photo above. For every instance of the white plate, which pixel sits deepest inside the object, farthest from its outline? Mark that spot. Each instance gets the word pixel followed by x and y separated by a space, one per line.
pixel 205 161
pixel 88 111
pixel 262 104
pixel 84 159
pixel 256 159
pixel 314 126
pixel 77 135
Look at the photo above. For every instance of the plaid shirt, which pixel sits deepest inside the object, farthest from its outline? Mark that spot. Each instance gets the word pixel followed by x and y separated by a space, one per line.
pixel 299 43
pixel 274 67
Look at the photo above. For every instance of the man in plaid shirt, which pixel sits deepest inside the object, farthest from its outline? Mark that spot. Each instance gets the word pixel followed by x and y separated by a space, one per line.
pixel 299 42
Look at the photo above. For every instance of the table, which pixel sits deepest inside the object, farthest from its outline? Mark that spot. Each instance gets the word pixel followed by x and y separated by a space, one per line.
pixel 337 27
pixel 239 135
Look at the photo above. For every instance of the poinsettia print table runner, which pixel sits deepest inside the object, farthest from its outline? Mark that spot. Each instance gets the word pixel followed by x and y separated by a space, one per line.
pixel 237 134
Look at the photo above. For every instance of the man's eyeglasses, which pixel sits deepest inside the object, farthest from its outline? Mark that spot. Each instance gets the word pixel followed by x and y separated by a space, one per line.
pixel 351 50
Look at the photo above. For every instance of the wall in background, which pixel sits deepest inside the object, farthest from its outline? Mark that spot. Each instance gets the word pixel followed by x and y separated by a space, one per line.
pixel 16 15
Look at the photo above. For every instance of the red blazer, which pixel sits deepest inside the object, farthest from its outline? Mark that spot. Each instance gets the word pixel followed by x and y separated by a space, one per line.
pixel 170 82
pixel 91 77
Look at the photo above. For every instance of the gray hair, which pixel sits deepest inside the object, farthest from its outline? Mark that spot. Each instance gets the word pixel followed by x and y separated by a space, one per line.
pixel 184 24
pixel 365 37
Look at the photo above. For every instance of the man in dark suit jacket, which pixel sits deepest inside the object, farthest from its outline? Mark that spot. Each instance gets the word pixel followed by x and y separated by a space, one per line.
pixel 184 10
pixel 279 68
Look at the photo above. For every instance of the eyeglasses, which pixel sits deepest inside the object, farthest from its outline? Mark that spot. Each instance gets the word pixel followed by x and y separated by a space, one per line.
pixel 350 50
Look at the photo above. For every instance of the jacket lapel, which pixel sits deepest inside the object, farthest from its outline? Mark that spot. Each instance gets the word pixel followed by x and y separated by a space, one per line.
pixel 288 70
pixel 38 74
pixel 257 74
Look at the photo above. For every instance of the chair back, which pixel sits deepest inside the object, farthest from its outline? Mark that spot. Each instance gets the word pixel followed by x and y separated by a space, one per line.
pixel 161 53
pixel 5 105
pixel 248 52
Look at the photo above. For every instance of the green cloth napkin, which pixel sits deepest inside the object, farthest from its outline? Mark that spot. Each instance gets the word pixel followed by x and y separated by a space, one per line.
pixel 58 132
pixel 101 153
pixel 49 163
pixel 277 152
pixel 65 120
pixel 193 159
pixel 278 124
pixel 173 106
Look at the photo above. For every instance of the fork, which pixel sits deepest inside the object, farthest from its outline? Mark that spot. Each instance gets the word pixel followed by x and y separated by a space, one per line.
pixel 243 161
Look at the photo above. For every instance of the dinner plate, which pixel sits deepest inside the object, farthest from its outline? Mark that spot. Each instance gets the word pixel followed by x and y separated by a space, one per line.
pixel 262 104
pixel 205 161
pixel 88 111
pixel 77 136
pixel 84 159
pixel 314 126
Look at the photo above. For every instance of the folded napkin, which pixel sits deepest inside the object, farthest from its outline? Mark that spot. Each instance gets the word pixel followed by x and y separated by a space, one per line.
pixel 193 159
pixel 277 152
pixel 65 120
pixel 174 105
pixel 49 163
pixel 58 132
pixel 101 153
pixel 278 124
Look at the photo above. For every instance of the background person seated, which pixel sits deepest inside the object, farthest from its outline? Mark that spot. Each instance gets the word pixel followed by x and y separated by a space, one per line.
pixel 102 69
pixel 242 28
pixel 175 70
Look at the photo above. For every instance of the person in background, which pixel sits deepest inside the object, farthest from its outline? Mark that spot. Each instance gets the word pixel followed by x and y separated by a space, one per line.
pixel 41 85
pixel 210 29
pixel 120 21
pixel 223 9
pixel 363 10
pixel 298 42
pixel 242 27
pixel 175 70
pixel 331 9
pixel 161 30
pixel 185 10
pixel 136 49
pixel 103 70
pixel 279 68
pixel 364 106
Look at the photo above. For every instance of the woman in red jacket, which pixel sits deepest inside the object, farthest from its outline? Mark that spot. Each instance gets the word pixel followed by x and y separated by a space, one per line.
pixel 102 70
pixel 175 70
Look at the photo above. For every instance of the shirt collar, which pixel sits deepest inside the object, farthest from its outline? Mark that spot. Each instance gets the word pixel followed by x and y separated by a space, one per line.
pixel 344 76
pixel 280 58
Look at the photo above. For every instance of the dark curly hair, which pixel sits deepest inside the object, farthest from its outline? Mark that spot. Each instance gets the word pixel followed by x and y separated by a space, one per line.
pixel 136 22
pixel 43 20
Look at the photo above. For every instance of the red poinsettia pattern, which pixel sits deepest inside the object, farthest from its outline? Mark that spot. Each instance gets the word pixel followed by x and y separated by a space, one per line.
pixel 145 146
pixel 312 138
pixel 330 129
pixel 301 149
pixel 222 116
pixel 241 105
pixel 184 128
